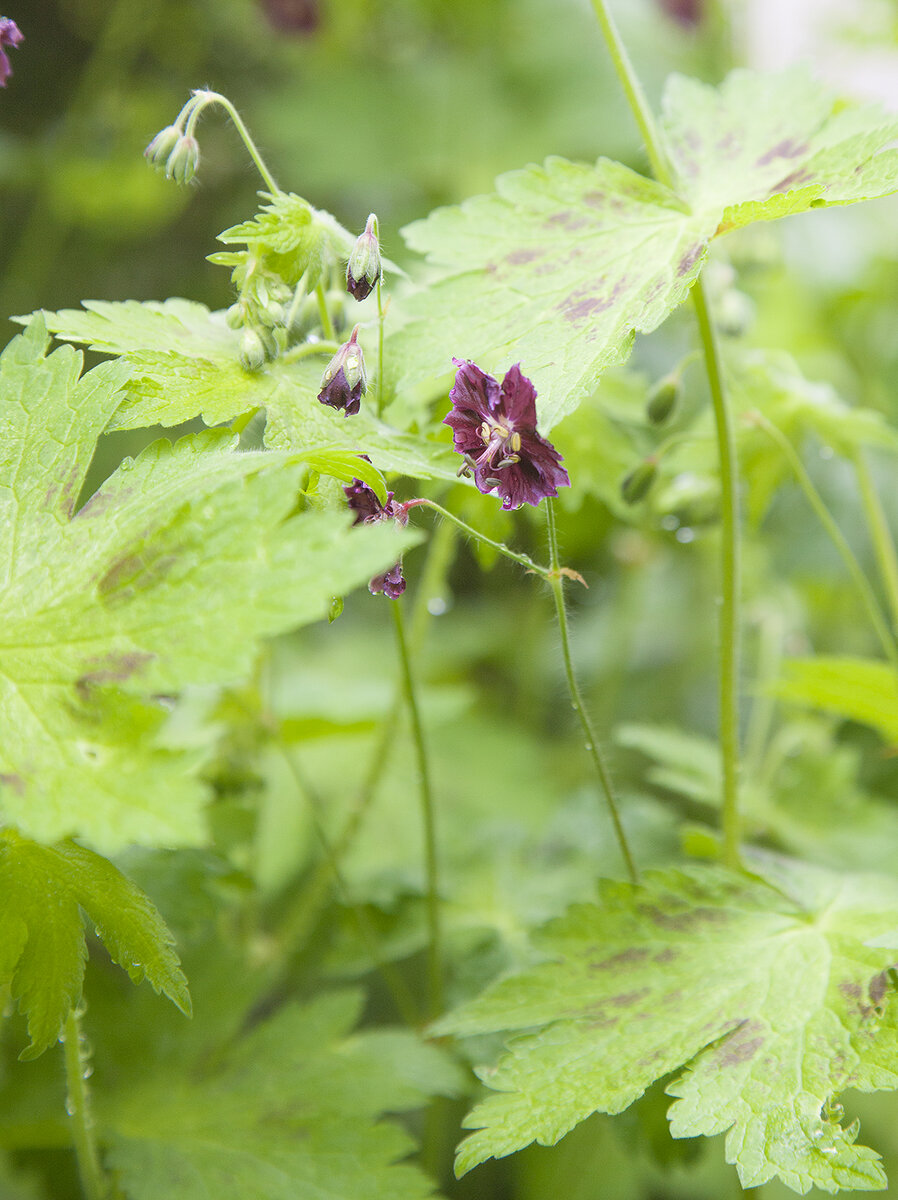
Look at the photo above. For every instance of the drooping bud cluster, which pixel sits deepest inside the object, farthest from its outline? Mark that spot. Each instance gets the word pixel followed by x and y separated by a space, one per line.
pixel 10 35
pixel 345 381
pixel 175 153
pixel 260 313
pixel 363 271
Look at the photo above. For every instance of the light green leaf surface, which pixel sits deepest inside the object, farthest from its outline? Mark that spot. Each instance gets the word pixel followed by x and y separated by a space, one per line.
pixel 42 951
pixel 183 362
pixel 292 1110
pixel 860 689
pixel 773 1008
pixel 561 265
pixel 167 576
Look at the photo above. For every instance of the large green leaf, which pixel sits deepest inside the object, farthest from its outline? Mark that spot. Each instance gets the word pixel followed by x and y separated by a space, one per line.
pixel 563 263
pixel 774 1006
pixel 291 1110
pixel 167 576
pixel 858 688
pixel 42 950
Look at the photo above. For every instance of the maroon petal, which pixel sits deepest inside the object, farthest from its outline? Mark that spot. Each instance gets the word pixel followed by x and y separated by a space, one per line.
pixel 519 399
pixel 10 35
pixel 391 583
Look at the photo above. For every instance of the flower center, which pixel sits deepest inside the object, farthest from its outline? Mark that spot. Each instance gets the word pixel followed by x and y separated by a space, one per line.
pixel 501 445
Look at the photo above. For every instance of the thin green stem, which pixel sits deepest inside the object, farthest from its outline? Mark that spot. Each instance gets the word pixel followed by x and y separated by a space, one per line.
pixel 204 98
pixel 93 1180
pixel 730 629
pixel 380 349
pixel 307 350
pixel 428 816
pixel 855 570
pixel 395 984
pixel 629 81
pixel 326 323
pixel 730 622
pixel 556 579
pixel 883 543
pixel 523 559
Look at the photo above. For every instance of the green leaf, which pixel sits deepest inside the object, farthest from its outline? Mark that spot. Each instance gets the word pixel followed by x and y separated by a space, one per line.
pixel 773 1006
pixel 183 363
pixel 291 1110
pixel 42 950
pixel 565 262
pixel 860 689
pixel 138 594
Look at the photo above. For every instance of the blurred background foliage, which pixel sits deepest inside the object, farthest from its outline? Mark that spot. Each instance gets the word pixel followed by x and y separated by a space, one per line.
pixel 398 106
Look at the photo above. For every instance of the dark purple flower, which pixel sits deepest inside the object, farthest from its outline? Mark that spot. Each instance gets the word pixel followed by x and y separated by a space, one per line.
pixel 368 509
pixel 344 381
pixel 495 429
pixel 10 35
pixel 293 16
pixel 391 583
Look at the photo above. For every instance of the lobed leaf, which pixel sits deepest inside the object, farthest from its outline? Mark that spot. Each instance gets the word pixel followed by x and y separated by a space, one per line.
pixel 768 1006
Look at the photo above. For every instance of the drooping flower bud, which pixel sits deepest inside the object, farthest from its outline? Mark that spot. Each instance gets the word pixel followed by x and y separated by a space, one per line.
pixel 183 161
pixel 344 381
pixel 160 148
pixel 662 400
pixel 635 486
pixel 364 267
pixel 10 35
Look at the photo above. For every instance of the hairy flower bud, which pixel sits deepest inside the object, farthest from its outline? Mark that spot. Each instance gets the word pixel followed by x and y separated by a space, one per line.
pixel 364 266
pixel 662 400
pixel 183 161
pixel 252 351
pixel 344 381
pixel 160 148
pixel 635 486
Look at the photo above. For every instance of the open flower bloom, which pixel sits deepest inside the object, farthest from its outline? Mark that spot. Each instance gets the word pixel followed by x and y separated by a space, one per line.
pixel 367 508
pixel 10 35
pixel 495 429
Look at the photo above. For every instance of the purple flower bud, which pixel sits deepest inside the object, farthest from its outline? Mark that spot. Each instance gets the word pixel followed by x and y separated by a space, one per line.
pixel 344 381
pixel 494 428
pixel 364 267
pixel 10 35
pixel 368 509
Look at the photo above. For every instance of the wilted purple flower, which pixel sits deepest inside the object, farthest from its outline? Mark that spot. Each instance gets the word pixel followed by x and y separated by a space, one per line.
pixel 10 35
pixel 368 509
pixel 344 381
pixel 495 429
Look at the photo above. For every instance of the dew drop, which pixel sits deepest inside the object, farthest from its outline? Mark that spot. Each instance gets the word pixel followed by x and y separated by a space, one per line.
pixel 70 1108
pixel 670 522
pixel 826 451
pixel 436 606
pixel 685 535
pixel 87 1072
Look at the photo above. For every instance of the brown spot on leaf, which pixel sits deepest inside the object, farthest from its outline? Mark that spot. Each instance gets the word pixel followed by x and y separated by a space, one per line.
pixel 113 668
pixel 666 955
pixel 788 148
pixel 569 220
pixel 632 954
pixel 16 782
pixel 742 1046
pixel 628 999
pixel 135 571
pixel 851 991
pixel 879 985
pixel 794 180
pixel 518 258
pixel 689 259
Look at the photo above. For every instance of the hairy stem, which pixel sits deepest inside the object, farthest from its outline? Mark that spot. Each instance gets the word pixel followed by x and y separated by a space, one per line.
pixel 93 1179
pixel 326 323
pixel 730 629
pixel 730 620
pixel 883 543
pixel 434 950
pixel 855 570
pixel 556 579
pixel 204 98
pixel 523 559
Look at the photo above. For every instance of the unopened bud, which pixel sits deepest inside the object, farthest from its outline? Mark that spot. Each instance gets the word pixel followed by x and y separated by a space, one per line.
pixel 662 400
pixel 183 161
pixel 159 149
pixel 235 316
pixel 344 381
pixel 252 352
pixel 272 314
pixel 364 267
pixel 635 486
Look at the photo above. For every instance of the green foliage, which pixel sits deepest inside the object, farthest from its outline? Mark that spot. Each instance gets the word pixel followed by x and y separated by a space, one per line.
pixel 771 997
pixel 42 890
pixel 136 594
pixel 859 689
pixel 564 263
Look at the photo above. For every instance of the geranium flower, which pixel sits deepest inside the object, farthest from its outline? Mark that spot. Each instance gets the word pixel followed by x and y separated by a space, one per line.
pixel 368 509
pixel 10 35
pixel 494 428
